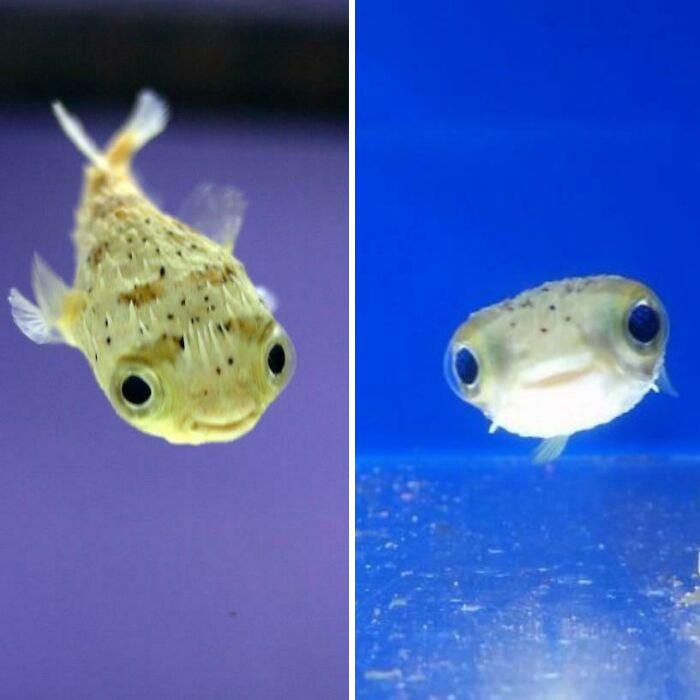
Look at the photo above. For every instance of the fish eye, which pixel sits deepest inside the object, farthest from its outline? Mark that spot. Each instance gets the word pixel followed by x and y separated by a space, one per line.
pixel 461 369
pixel 280 358
pixel 466 367
pixel 643 323
pixel 276 359
pixel 136 391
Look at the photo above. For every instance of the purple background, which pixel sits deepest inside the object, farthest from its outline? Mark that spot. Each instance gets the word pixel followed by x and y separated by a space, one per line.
pixel 130 568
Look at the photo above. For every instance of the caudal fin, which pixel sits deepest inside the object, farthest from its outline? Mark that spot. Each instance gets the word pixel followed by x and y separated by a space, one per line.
pixel 147 119
pixel 75 131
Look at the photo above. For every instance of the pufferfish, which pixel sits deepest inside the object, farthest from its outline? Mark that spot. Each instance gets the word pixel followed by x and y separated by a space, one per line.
pixel 561 358
pixel 178 338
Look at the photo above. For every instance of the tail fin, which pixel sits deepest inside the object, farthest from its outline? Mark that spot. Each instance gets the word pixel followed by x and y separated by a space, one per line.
pixel 38 321
pixel 148 118
pixel 75 131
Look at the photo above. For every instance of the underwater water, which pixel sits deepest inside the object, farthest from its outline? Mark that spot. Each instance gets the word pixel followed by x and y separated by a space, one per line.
pixel 520 144
pixel 136 569
pixel 497 579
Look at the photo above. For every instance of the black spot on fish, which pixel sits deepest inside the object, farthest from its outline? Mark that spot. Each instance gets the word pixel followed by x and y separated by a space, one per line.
pixel 182 342
pixel 109 340
pixel 148 221
pixel 218 370
pixel 170 317
pixel 162 271
pixel 567 319
pixel 182 302
pixel 206 298
pixel 544 330
pixel 552 307
pixel 106 323
pixel 230 360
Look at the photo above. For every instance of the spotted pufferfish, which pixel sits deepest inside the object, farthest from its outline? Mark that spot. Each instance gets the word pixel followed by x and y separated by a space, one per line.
pixel 561 358
pixel 182 343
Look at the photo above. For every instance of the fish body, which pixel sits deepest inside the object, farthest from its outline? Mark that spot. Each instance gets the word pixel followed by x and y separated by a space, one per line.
pixel 561 358
pixel 178 337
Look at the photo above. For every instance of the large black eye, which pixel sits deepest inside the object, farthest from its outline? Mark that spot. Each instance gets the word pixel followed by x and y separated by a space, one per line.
pixel 466 366
pixel 276 359
pixel 643 323
pixel 135 390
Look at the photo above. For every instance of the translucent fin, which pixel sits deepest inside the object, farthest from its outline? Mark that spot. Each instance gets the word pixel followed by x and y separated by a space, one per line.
pixel 75 131
pixel 148 118
pixel 217 212
pixel 49 289
pixel 550 449
pixel 664 384
pixel 31 320
pixel 268 298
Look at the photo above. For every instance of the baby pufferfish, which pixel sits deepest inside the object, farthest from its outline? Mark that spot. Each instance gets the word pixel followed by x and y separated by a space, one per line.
pixel 565 357
pixel 179 339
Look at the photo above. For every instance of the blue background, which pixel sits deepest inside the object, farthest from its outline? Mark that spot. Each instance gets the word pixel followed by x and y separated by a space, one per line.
pixel 503 144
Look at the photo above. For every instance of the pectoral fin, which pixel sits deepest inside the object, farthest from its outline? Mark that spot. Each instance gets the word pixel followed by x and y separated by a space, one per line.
pixel 217 212
pixel 663 382
pixel 39 321
pixel 268 298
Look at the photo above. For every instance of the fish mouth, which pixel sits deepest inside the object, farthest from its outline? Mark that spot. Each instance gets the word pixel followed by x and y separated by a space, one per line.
pixel 242 424
pixel 559 378
pixel 559 371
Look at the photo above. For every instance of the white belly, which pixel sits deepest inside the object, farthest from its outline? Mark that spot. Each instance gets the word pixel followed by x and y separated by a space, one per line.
pixel 546 403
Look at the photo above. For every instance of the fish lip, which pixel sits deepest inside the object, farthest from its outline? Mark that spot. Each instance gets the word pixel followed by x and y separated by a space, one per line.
pixel 245 422
pixel 560 378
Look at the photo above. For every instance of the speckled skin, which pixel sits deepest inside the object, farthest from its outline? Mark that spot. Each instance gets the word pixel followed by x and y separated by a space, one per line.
pixel 150 292
pixel 558 359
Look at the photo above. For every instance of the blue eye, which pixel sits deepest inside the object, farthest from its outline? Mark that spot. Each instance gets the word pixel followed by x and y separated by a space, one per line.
pixel 466 366
pixel 644 323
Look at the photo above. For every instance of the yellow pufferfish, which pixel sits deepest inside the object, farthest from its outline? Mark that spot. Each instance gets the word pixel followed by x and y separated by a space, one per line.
pixel 561 358
pixel 179 339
